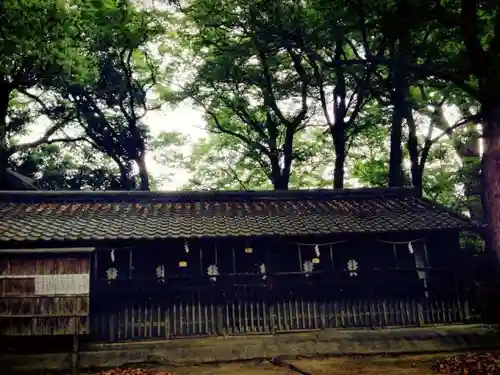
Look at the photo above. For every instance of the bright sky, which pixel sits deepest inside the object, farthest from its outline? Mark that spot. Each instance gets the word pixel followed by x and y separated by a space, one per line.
pixel 184 119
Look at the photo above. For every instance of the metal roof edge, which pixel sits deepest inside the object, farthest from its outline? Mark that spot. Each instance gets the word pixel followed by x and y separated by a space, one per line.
pixel 355 193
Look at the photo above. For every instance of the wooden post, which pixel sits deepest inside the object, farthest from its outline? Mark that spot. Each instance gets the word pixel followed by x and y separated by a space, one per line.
pixel 74 354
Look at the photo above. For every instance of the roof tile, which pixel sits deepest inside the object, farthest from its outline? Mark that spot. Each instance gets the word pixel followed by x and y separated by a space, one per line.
pixel 32 216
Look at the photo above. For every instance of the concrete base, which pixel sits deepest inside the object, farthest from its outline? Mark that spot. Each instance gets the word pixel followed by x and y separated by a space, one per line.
pixel 221 349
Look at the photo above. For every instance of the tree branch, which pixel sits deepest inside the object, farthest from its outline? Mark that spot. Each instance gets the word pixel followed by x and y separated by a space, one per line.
pixel 455 126
pixel 241 137
pixel 42 141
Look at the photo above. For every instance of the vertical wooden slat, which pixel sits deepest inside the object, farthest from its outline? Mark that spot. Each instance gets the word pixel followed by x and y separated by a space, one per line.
pixel 194 316
pixel 151 320
pixel 127 335
pixel 227 313
pixel 278 305
pixel 302 313
pixel 432 311
pixel 259 324
pixel 348 313
pixel 219 329
pixel 233 318
pixel 239 316
pixel 287 314
pixel 247 316
pixel 356 316
pixel 374 318
pixel 166 319
pixel 158 320
pixel 111 327
pixel 309 314
pixel 403 312
pixel 252 316
pixel 210 316
pixel 385 310
pixel 272 318
pixel 200 318
pixel 175 319
pixel 182 318
pixel 187 311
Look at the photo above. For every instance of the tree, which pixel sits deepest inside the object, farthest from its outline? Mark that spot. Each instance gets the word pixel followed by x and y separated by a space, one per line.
pixel 111 109
pixel 53 167
pixel 220 162
pixel 55 42
pixel 244 83
pixel 93 70
pixel 68 167
pixel 462 48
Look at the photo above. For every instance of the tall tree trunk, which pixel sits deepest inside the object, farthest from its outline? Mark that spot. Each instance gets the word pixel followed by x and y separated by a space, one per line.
pixel 491 177
pixel 4 157
pixel 399 75
pixel 399 95
pixel 143 172
pixel 340 156
pixel 338 131
pixel 126 182
pixel 280 177
pixel 416 164
pixel 396 178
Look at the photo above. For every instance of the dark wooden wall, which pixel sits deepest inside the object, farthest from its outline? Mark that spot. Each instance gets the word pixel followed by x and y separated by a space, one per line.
pixel 384 290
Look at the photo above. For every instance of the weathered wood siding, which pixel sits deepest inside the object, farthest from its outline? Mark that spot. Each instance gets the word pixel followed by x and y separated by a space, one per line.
pixel 267 315
pixel 44 294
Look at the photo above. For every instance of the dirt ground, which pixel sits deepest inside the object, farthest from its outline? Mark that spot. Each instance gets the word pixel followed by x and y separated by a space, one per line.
pixel 407 365
pixel 347 365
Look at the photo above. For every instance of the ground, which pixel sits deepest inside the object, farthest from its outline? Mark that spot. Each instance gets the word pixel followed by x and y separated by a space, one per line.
pixel 346 365
pixel 368 365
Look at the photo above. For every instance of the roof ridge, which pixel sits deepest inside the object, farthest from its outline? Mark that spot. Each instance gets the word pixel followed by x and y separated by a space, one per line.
pixel 208 194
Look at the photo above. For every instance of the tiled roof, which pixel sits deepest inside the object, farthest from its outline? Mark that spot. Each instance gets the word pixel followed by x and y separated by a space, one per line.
pixel 44 215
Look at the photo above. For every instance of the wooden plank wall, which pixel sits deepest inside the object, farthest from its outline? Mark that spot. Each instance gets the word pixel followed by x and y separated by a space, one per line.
pixel 33 304
pixel 242 316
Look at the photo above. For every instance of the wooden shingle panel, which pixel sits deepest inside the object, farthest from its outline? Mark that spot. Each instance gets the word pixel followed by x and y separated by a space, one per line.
pixel 44 294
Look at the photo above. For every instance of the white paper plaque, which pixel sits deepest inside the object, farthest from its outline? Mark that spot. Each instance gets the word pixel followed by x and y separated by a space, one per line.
pixel 75 284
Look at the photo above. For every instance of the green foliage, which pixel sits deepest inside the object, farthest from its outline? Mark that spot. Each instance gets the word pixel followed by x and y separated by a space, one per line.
pixel 74 168
pixel 219 161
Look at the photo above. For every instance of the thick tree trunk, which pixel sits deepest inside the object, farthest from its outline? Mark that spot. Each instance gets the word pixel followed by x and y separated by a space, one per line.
pixel 400 54
pixel 417 163
pixel 338 131
pixel 126 182
pixel 280 178
pixel 340 156
pixel 491 179
pixel 143 172
pixel 399 96
pixel 396 152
